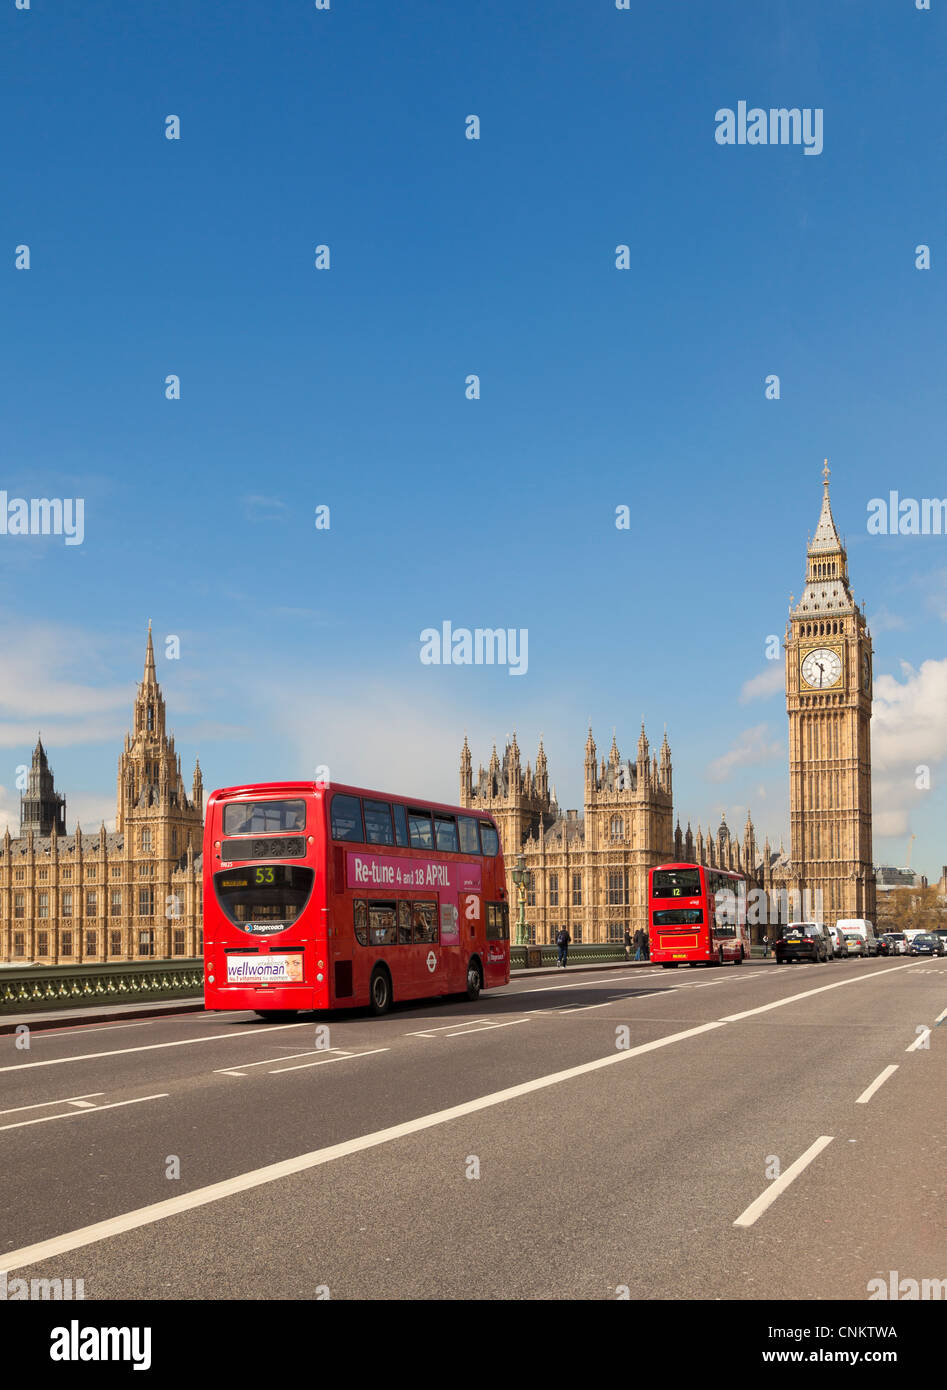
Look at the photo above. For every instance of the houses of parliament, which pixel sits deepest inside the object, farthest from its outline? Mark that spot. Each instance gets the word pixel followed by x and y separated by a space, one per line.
pixel 130 894
pixel 135 893
pixel 588 872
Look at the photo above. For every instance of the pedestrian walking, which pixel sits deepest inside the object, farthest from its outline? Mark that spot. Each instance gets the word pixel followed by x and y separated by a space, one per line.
pixel 627 944
pixel 639 943
pixel 562 941
pixel 765 946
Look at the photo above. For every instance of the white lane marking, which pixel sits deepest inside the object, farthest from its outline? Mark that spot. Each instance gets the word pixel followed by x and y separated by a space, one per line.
pixel 807 994
pixel 39 1105
pixel 349 1057
pixel 486 1028
pixel 579 984
pixel 920 1041
pixel 244 1182
pixel 755 1210
pixel 51 1032
pixel 237 1068
pixel 581 1008
pixel 879 1081
pixel 82 1104
pixel 442 1027
pixel 259 1032
pixel 74 1114
pixel 940 1017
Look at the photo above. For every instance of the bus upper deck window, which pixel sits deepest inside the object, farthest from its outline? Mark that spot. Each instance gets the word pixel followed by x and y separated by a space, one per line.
pixel 419 824
pixel 489 838
pixel 347 818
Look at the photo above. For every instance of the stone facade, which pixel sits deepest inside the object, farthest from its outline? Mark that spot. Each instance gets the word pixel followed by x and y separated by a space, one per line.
pixel 828 700
pixel 130 894
pixel 589 872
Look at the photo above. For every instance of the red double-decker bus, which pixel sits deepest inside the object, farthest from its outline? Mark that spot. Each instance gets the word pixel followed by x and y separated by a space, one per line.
pixel 319 897
pixel 697 914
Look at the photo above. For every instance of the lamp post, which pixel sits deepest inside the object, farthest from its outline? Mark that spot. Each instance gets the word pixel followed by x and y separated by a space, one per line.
pixel 521 880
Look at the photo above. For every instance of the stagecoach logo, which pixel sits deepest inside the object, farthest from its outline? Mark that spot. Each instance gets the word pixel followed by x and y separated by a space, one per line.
pixel 431 961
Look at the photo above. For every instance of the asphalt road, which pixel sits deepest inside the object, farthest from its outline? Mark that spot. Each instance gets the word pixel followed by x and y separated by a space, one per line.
pixel 565 1137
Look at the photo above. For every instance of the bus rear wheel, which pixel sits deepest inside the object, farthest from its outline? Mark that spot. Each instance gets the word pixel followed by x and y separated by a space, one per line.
pixel 474 979
pixel 379 991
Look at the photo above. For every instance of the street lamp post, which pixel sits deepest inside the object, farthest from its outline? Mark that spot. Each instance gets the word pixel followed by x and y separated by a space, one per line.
pixel 521 880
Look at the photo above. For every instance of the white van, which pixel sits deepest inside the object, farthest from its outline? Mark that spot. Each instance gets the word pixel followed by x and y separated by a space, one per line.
pixel 860 926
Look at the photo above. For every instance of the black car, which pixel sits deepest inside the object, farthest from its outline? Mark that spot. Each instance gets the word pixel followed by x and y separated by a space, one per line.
pixel 927 945
pixel 802 941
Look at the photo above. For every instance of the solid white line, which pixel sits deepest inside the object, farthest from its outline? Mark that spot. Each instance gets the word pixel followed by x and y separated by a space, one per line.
pixel 74 1114
pixel 920 1041
pixel 82 1104
pixel 807 994
pixel 581 1008
pixel 349 1057
pixel 879 1080
pixel 236 1067
pixel 41 1103
pixel 940 1017
pixel 154 1047
pixel 244 1182
pixel 766 1199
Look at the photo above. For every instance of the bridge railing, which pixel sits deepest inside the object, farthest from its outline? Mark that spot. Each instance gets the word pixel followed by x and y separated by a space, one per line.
pixel 34 987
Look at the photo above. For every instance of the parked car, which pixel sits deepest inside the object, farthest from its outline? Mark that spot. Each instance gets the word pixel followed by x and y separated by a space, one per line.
pixel 927 944
pixel 863 928
pixel 855 944
pixel 802 941
pixel 897 943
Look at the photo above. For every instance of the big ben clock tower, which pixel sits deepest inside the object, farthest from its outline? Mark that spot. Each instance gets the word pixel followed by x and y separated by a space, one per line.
pixel 828 699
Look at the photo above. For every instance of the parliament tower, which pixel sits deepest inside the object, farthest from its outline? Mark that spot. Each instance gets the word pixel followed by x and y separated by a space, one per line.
pixel 828 700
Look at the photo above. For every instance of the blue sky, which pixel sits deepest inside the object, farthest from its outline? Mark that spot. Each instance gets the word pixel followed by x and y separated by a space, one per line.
pixel 346 386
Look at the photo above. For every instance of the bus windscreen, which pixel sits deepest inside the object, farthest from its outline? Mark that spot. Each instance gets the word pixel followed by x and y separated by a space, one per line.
pixel 262 899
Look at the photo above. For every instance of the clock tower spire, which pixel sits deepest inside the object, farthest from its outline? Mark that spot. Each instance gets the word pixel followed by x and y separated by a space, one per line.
pixel 828 700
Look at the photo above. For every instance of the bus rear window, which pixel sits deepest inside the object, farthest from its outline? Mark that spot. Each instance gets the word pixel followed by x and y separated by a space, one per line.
pixel 262 899
pixel 264 817
pixel 678 917
pixel 675 883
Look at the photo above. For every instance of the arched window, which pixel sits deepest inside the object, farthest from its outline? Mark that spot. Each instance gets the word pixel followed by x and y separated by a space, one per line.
pixel 617 828
pixel 146 840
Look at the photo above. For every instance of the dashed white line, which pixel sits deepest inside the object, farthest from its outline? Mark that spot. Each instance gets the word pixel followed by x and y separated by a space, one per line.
pixel 156 1047
pixel 921 1040
pixel 349 1057
pixel 474 1032
pixel 755 1210
pixel 238 1068
pixel 75 1114
pixel 40 1104
pixel 879 1081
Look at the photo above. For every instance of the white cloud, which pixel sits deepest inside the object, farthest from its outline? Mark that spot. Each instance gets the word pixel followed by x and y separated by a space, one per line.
pixel 908 733
pixel 768 682
pixel 753 746
pixel 884 621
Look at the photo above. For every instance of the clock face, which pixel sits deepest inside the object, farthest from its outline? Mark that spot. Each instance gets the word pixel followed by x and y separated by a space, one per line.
pixel 822 668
